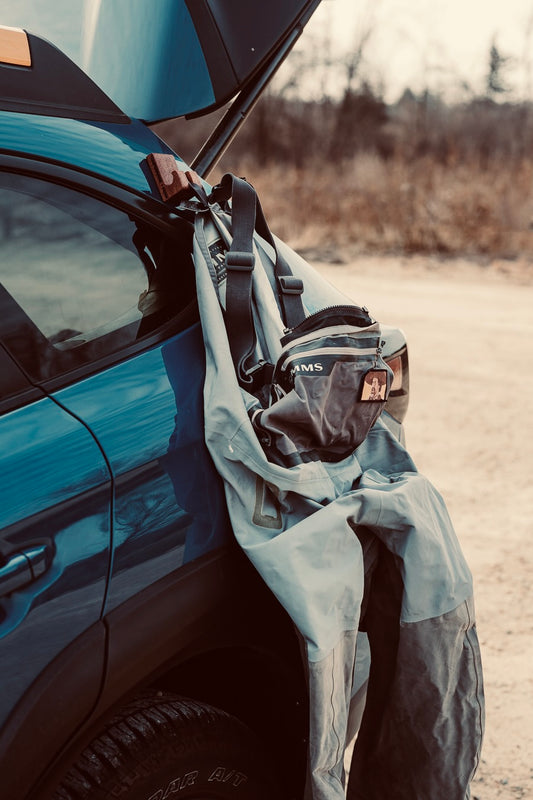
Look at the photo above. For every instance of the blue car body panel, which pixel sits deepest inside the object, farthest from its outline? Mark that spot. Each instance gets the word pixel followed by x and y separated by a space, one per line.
pixel 103 465
pixel 56 485
pixel 55 488
pixel 111 471
pixel 111 151
pixel 40 444
pixel 169 505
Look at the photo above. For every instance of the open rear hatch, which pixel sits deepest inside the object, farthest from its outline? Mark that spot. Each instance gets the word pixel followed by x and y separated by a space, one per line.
pixel 153 61
pixel 178 58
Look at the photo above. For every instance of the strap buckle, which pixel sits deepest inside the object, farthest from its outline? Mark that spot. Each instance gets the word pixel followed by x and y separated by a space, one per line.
pixel 240 261
pixel 290 285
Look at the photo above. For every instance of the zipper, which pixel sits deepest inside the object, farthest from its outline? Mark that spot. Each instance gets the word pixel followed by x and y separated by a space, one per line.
pixel 354 351
pixel 333 331
pixel 360 313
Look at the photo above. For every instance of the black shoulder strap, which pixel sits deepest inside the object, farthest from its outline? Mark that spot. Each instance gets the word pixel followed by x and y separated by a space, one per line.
pixel 240 261
pixel 289 288
pixel 247 217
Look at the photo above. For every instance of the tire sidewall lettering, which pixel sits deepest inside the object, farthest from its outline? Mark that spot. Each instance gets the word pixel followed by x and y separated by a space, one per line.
pixel 230 777
pixel 175 786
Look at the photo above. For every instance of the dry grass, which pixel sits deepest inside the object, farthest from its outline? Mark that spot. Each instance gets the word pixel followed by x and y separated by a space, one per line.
pixel 368 204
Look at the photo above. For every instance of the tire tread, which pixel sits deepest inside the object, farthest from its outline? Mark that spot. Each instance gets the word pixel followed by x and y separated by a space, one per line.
pixel 152 726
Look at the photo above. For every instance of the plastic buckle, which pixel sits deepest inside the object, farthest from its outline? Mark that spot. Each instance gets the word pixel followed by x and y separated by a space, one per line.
pixel 240 261
pixel 290 285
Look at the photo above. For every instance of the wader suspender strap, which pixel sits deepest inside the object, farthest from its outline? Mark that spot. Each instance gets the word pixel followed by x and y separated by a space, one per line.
pixel 289 288
pixel 240 261
pixel 247 216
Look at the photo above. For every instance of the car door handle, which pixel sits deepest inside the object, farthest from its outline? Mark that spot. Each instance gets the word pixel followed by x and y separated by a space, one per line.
pixel 23 568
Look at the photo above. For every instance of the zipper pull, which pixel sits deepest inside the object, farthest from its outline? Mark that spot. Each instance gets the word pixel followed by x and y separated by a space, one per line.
pixel 378 353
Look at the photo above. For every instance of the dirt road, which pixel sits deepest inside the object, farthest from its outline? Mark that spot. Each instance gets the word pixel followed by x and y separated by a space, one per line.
pixel 470 431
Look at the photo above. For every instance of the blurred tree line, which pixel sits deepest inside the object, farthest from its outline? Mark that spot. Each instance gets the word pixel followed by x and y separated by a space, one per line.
pixel 298 132
pixel 284 128
pixel 420 175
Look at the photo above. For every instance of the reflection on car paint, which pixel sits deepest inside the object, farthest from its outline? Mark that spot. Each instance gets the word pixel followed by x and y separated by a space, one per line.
pixel 47 458
pixel 148 89
pixel 197 485
pixel 56 488
pixel 112 150
pixel 169 505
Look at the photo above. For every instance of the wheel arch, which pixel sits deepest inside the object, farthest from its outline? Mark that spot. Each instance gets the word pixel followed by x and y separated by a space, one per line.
pixel 213 634
pixel 251 683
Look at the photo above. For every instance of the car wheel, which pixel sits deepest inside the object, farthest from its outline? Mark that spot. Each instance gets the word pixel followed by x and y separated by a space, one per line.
pixel 162 746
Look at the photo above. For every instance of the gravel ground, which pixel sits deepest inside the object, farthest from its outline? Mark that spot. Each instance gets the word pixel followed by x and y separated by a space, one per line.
pixel 470 431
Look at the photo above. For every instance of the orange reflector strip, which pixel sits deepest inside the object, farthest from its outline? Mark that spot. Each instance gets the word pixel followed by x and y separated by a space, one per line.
pixel 14 47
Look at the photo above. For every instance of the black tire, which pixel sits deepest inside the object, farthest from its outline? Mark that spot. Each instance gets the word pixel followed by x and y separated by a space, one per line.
pixel 163 747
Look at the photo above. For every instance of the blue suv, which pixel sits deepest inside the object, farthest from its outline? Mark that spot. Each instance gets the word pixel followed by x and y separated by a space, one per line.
pixel 141 656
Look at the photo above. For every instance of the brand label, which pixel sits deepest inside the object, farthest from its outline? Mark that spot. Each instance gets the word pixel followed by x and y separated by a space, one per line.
pixel 217 251
pixel 315 367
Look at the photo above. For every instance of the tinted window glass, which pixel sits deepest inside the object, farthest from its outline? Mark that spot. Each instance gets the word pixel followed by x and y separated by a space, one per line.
pixel 80 278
